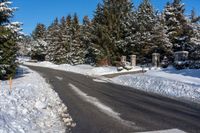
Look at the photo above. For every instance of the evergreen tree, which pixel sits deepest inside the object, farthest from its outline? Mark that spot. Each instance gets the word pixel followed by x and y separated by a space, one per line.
pixel 160 39
pixel 68 37
pixel 146 21
pixel 127 29
pixel 193 17
pixel 69 20
pixel 178 29
pixel 77 53
pixel 57 52
pixel 8 35
pixel 86 40
pixel 25 44
pixel 39 47
pixel 65 32
pixel 195 39
pixel 111 21
pixel 99 37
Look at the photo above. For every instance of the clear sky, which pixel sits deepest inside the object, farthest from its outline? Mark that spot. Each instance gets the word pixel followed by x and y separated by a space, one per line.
pixel 31 12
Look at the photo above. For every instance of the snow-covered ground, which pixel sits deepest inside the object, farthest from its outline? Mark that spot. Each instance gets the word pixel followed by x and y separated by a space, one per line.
pixel 82 69
pixel 180 84
pixel 32 106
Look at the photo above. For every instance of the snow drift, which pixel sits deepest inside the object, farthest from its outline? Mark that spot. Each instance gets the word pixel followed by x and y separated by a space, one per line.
pixel 32 106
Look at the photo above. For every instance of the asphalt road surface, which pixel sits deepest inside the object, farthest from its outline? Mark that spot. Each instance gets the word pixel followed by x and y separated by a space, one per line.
pixel 100 107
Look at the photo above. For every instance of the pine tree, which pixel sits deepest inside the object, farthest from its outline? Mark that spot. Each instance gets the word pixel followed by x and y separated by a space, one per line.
pixel 39 47
pixel 8 35
pixel 99 37
pixel 146 21
pixel 57 52
pixel 77 53
pixel 127 29
pixel 178 29
pixel 111 21
pixel 68 31
pixel 193 17
pixel 25 44
pixel 195 39
pixel 160 39
pixel 85 37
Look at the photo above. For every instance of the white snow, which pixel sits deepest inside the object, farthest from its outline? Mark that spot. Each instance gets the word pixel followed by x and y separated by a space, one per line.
pixel 165 131
pixel 59 78
pixel 180 84
pixel 32 106
pixel 100 80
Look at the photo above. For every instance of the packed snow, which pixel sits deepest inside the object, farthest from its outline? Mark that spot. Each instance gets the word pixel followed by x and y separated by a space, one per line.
pixel 181 84
pixel 31 106
pixel 83 69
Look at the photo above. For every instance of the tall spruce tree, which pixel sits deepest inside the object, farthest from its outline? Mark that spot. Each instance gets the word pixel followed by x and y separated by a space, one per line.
pixel 39 48
pixel 178 29
pixel 57 52
pixel 111 21
pixel 85 36
pixel 77 53
pixel 100 37
pixel 8 45
pixel 150 36
pixel 160 39
pixel 146 21
pixel 68 37
pixel 195 39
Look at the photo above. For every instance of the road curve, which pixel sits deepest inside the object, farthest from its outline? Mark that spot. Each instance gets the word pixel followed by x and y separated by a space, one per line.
pixel 138 111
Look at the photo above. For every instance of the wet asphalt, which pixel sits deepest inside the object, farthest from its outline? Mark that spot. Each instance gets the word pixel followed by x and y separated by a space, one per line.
pixel 139 111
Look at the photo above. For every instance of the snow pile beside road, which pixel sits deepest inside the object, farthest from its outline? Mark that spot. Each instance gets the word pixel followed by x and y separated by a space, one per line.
pixel 82 69
pixel 184 84
pixel 32 106
pixel 191 76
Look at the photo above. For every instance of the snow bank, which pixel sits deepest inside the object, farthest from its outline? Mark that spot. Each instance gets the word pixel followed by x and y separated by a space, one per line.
pixel 191 76
pixel 82 69
pixel 32 106
pixel 183 84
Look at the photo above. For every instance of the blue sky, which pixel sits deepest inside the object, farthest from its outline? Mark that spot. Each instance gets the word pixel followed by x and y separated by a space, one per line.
pixel 31 12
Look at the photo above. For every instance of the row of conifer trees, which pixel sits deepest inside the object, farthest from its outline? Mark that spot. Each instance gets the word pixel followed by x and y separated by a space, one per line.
pixel 119 28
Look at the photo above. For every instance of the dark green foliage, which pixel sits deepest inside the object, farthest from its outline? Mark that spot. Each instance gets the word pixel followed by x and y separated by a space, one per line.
pixel 77 46
pixel 5 13
pixel 8 46
pixel 178 29
pixel 194 18
pixel 39 48
pixel 117 29
pixel 107 29
pixel 57 51
pixel 39 32
pixel 8 51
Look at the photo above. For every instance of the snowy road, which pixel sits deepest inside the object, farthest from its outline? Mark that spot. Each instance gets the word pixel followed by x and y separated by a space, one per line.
pixel 101 107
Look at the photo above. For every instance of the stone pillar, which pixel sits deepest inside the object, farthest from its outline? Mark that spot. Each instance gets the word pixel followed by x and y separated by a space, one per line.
pixel 123 60
pixel 156 59
pixel 133 60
